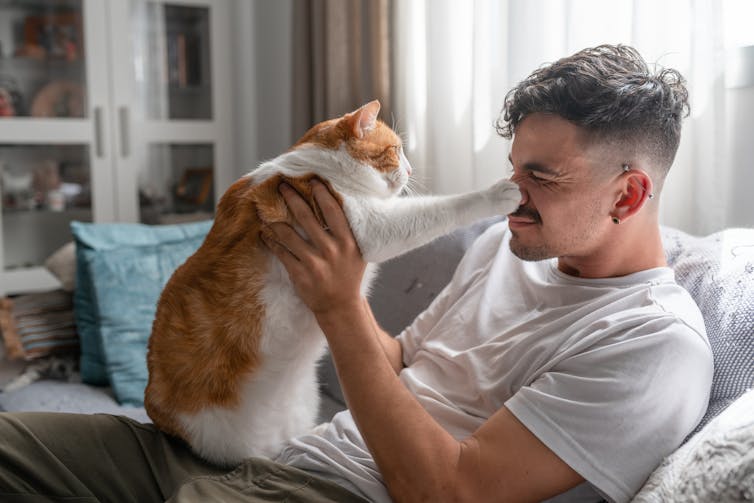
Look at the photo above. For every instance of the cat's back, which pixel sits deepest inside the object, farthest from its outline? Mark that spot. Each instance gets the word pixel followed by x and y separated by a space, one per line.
pixel 211 314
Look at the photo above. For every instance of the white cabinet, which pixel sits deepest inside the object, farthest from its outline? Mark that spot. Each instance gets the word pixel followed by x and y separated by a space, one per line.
pixel 116 110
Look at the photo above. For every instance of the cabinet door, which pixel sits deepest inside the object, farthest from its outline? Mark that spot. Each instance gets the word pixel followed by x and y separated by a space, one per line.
pixel 171 82
pixel 54 149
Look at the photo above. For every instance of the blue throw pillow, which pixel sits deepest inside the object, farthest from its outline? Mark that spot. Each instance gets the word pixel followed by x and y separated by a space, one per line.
pixel 121 270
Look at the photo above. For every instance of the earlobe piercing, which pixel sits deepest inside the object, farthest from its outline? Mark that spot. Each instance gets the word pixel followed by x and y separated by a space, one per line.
pixel 616 220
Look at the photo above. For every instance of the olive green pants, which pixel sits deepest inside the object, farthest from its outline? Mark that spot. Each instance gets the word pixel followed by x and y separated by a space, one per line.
pixel 87 458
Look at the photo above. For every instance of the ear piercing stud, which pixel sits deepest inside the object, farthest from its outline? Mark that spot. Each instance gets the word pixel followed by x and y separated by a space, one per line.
pixel 616 220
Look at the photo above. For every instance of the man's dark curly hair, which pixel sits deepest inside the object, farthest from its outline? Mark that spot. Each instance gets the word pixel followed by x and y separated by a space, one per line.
pixel 610 92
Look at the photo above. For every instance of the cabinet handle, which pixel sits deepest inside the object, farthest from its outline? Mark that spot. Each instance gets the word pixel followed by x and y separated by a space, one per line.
pixel 99 149
pixel 125 140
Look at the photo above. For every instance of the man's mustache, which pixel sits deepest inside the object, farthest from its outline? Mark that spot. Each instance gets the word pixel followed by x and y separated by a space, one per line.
pixel 529 213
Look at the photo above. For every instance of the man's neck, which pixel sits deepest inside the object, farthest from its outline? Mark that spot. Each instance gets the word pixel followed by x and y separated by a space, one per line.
pixel 635 247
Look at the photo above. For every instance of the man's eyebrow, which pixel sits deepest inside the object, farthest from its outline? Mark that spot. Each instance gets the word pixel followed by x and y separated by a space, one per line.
pixel 535 166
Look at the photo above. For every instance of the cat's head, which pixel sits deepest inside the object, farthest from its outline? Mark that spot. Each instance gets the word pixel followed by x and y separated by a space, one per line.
pixel 363 153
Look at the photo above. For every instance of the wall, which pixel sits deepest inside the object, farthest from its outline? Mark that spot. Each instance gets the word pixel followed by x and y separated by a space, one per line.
pixel 739 148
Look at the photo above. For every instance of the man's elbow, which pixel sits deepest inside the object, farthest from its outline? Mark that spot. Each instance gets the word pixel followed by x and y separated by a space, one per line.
pixel 439 486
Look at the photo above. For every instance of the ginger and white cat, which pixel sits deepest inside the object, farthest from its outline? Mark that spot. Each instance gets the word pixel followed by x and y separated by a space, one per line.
pixel 233 352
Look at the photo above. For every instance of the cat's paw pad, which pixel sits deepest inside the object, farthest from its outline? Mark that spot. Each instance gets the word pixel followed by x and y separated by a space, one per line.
pixel 506 195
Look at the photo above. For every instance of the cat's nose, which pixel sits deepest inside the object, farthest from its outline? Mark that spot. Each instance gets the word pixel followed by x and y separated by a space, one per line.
pixel 405 163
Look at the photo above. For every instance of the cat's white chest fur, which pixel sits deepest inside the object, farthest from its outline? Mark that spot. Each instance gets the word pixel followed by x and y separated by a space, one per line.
pixel 280 400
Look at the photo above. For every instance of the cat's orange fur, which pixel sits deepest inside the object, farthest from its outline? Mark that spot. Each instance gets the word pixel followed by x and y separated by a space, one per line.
pixel 207 329
pixel 209 318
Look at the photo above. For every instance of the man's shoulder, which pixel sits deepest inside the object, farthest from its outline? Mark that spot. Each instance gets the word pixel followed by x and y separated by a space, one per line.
pixel 673 300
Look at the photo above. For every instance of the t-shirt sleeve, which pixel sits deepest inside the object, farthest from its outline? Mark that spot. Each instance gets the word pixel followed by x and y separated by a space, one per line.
pixel 615 411
pixel 474 263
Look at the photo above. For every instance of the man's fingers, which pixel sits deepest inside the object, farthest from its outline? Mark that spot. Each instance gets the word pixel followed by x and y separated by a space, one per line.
pixel 298 207
pixel 333 214
pixel 289 260
pixel 286 236
pixel 303 214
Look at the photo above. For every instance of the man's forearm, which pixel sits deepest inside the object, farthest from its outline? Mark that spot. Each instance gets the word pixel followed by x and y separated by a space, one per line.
pixel 390 346
pixel 413 452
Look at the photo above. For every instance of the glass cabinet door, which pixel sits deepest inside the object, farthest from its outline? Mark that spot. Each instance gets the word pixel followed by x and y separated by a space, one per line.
pixel 54 165
pixel 178 185
pixel 110 110
pixel 172 62
pixel 44 187
pixel 172 112
pixel 42 59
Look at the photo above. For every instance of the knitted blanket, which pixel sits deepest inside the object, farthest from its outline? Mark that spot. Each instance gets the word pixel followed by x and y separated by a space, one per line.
pixel 716 464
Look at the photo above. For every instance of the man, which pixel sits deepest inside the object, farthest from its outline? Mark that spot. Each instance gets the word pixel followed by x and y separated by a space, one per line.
pixel 562 360
pixel 590 365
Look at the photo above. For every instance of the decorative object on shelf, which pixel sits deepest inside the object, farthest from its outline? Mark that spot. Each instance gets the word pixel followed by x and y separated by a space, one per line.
pixel 53 36
pixel 59 98
pixel 6 103
pixel 184 62
pixel 46 176
pixel 11 99
pixel 17 188
pixel 55 200
pixel 195 186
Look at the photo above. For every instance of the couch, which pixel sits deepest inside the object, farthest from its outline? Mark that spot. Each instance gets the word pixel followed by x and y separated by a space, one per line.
pixel 718 271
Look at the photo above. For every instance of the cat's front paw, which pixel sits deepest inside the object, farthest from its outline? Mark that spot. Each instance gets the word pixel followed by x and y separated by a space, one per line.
pixel 505 196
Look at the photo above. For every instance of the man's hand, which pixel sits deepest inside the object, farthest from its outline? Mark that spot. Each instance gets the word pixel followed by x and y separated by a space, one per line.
pixel 327 269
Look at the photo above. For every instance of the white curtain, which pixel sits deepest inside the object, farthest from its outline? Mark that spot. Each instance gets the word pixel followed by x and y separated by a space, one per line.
pixel 456 60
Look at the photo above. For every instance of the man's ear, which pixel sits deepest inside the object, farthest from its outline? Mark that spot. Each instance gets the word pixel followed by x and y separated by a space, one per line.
pixel 636 191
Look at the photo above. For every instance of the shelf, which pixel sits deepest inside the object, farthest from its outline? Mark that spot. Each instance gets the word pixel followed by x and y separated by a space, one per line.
pixel 71 212
pixel 30 236
pixel 40 5
pixel 41 65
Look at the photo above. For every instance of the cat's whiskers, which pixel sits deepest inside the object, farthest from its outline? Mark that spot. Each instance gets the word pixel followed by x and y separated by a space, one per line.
pixel 417 185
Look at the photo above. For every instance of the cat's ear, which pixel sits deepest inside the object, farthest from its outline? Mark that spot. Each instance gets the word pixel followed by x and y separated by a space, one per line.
pixel 364 119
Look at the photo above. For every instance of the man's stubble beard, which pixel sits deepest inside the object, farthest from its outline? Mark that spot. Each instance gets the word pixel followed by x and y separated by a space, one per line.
pixel 529 253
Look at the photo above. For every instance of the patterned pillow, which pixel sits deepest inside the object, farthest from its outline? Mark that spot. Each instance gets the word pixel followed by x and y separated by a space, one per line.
pixel 38 324
pixel 62 265
pixel 718 272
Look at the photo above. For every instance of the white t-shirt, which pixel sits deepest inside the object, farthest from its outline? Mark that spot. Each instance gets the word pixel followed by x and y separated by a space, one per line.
pixel 611 374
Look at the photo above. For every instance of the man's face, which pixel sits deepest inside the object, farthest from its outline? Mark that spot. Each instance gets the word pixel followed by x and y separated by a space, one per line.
pixel 565 208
